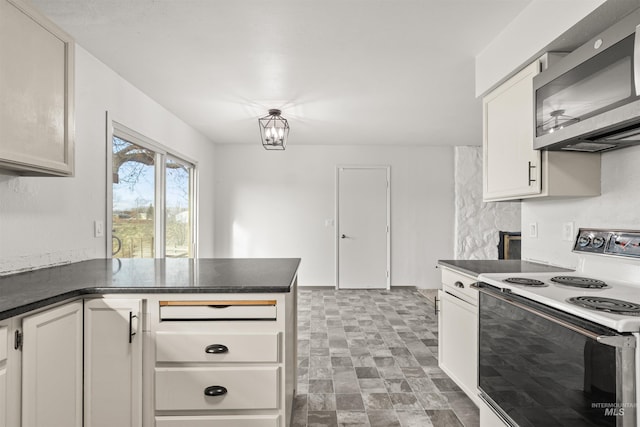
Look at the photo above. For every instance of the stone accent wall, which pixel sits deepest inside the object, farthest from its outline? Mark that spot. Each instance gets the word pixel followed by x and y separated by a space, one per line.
pixel 477 223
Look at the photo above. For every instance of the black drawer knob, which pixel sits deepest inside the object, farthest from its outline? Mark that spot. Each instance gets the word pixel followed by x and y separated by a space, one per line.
pixel 216 348
pixel 215 390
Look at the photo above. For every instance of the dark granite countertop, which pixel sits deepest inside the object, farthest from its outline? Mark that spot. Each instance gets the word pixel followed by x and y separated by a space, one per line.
pixel 477 267
pixel 23 292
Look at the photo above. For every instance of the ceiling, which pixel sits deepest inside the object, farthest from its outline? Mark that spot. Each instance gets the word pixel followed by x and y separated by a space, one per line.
pixel 343 72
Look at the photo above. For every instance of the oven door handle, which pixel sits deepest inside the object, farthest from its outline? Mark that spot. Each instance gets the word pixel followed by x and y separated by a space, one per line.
pixel 622 341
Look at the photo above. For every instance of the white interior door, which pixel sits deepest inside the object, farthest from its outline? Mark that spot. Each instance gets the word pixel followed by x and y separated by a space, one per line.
pixel 363 227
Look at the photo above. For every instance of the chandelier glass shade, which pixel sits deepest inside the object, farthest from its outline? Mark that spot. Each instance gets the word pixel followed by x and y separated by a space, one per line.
pixel 274 130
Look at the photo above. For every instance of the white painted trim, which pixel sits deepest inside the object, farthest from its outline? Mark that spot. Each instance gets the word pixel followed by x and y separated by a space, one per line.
pixel 108 232
pixel 337 218
pixel 160 205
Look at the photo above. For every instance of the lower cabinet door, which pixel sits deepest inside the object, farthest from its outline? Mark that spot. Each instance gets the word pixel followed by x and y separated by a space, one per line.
pixel 4 344
pixel 52 367
pixel 113 363
pixel 459 342
pixel 219 421
pixel 3 395
pixel 217 388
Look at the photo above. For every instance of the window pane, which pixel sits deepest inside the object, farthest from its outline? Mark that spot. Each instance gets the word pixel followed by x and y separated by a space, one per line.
pixel 133 200
pixel 178 210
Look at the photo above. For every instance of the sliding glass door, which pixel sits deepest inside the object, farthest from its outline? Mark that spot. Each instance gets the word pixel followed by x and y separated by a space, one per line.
pixel 152 199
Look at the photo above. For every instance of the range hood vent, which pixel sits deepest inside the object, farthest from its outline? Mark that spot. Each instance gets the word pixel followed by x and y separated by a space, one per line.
pixel 606 141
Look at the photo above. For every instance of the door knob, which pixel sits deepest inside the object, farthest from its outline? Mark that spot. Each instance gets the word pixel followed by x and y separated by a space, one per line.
pixel 343 236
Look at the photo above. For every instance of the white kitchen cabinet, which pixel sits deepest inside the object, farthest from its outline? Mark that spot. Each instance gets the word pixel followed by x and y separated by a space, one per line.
pixel 37 87
pixel 458 331
pixel 113 362
pixel 512 169
pixel 223 360
pixel 10 362
pixel 9 375
pixel 4 372
pixel 52 367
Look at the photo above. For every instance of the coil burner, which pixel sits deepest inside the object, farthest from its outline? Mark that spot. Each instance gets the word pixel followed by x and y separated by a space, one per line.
pixel 525 281
pixel 579 282
pixel 610 305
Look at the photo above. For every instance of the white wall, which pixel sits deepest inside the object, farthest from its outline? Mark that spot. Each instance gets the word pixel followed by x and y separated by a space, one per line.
pixel 46 221
pixel 617 207
pixel 275 204
pixel 478 223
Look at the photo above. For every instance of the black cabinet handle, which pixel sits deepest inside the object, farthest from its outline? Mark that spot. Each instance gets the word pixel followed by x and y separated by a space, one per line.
pixel 216 348
pixel 219 306
pixel 215 390
pixel 131 332
pixel 459 285
pixel 531 179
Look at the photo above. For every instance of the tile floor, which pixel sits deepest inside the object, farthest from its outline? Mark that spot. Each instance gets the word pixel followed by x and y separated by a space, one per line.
pixel 368 358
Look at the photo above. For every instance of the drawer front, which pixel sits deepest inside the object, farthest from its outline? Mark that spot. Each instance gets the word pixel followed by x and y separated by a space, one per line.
pixel 246 388
pixel 199 347
pixel 219 421
pixel 459 284
pixel 4 342
pixel 217 310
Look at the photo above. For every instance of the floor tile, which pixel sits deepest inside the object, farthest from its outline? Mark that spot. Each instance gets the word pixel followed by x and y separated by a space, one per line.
pixel 383 419
pixel 352 419
pixel 349 402
pixel 376 401
pixel 320 386
pixel 414 419
pixel 405 401
pixel 321 402
pixel 444 418
pixel 322 419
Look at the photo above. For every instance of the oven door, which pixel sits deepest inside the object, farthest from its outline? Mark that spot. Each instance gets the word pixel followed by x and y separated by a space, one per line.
pixel 541 367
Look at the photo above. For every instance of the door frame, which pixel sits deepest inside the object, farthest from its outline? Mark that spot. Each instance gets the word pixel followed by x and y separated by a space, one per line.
pixel 337 216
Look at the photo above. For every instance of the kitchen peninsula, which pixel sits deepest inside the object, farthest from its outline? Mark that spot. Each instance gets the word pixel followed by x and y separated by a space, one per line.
pixel 164 342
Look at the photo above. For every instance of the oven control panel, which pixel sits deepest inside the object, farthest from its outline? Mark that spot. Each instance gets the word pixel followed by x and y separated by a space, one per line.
pixel 624 243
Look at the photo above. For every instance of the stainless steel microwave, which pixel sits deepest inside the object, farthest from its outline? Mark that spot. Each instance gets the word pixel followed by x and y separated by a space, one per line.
pixel 590 100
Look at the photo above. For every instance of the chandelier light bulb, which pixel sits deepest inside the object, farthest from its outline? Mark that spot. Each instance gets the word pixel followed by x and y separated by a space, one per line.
pixel 274 130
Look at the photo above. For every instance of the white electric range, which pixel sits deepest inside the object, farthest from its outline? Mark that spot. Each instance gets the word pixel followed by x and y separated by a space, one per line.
pixel 573 338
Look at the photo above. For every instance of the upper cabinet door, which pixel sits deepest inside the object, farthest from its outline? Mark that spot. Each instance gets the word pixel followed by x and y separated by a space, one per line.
pixel 512 168
pixel 36 93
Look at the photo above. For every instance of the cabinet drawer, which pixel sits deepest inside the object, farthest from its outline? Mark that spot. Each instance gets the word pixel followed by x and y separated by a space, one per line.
pixel 459 285
pixel 246 388
pixel 219 421
pixel 4 342
pixel 199 347
pixel 218 310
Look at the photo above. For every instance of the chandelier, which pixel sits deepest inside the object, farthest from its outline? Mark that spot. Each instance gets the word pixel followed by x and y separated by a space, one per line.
pixel 274 130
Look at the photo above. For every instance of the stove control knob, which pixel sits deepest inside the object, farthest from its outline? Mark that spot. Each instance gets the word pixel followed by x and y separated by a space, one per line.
pixel 583 241
pixel 598 242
